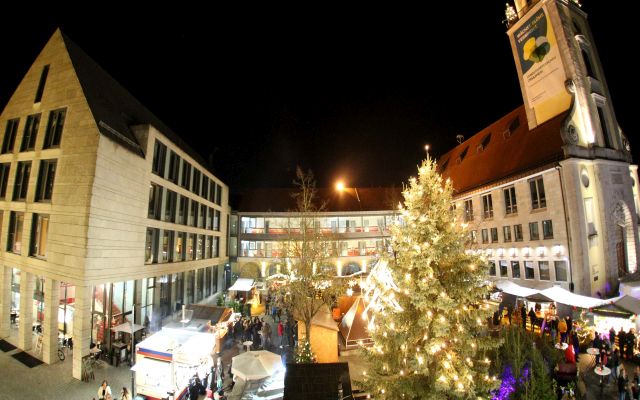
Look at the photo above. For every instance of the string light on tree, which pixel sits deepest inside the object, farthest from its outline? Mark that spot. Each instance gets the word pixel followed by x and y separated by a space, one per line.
pixel 426 292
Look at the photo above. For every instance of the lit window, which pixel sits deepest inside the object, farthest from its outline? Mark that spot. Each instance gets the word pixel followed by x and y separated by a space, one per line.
pixel 39 236
pixel 529 270
pixel 517 232
pixel 506 230
pixel 547 229
pixel 534 233
pixel 14 240
pixel 510 201
pixel 543 266
pixel 487 206
pixel 561 270
pixel 515 269
pixel 538 199
pixel 468 210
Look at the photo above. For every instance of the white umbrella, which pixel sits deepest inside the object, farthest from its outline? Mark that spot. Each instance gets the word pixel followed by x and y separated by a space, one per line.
pixel 126 327
pixel 254 365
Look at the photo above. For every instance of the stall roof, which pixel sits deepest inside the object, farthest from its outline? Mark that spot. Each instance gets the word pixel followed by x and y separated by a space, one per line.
pixel 353 326
pixel 242 285
pixel 612 310
pixel 539 298
pixel 629 303
pixel 515 289
pixel 563 296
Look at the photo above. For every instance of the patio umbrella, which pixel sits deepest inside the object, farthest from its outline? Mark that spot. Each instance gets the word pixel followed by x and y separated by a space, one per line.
pixel 254 365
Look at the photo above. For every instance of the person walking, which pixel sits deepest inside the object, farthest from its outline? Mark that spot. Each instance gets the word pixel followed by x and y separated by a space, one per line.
pixel 104 390
pixel 622 384
pixel 523 316
pixel 124 394
pixel 280 333
pixel 615 362
pixel 562 328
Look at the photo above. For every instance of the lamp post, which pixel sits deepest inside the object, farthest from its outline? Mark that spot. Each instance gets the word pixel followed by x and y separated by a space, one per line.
pixel 341 188
pixel 426 149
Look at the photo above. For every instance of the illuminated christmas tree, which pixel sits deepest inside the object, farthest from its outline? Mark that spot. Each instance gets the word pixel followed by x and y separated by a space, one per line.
pixel 425 309
pixel 304 353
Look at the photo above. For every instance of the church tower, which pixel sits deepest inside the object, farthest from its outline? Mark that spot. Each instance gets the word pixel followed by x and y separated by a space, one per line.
pixel 561 76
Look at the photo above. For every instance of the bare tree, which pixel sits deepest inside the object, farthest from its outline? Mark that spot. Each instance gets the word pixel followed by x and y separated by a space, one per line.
pixel 309 285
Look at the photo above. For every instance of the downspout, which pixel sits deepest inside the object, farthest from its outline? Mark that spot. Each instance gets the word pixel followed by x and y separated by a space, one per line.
pixel 566 225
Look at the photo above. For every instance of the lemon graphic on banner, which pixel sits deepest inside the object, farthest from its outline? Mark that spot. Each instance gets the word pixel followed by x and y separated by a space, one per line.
pixel 535 49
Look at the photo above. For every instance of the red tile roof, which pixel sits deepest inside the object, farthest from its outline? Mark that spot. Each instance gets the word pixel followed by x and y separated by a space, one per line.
pixel 280 200
pixel 503 149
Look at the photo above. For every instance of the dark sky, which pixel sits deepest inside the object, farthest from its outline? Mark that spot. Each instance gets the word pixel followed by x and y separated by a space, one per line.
pixel 347 91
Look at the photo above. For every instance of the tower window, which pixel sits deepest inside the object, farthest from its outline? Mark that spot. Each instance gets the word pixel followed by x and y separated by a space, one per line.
pixel 587 63
pixel 603 127
pixel 43 81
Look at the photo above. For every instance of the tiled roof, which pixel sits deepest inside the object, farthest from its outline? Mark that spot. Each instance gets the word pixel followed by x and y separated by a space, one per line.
pixel 503 149
pixel 280 200
pixel 114 108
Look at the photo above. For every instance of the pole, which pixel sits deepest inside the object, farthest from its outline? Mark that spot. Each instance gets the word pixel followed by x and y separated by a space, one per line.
pixel 133 353
pixel 358 197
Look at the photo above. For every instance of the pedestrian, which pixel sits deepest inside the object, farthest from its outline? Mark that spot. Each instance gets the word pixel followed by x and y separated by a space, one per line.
pixel 615 362
pixel 280 333
pixel 125 395
pixel 104 390
pixel 622 384
pixel 523 316
pixel 532 319
pixel 562 328
pixel 576 344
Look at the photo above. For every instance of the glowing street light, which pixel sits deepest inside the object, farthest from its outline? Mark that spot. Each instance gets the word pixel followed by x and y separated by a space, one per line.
pixel 340 187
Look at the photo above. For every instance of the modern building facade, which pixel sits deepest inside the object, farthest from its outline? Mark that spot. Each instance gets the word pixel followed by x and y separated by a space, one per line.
pixel 548 191
pixel 107 215
pixel 356 226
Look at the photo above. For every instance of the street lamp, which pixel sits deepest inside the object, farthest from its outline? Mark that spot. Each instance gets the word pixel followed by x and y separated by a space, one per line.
pixel 426 149
pixel 340 187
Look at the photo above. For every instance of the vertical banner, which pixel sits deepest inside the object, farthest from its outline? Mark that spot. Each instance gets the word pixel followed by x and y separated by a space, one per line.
pixel 543 75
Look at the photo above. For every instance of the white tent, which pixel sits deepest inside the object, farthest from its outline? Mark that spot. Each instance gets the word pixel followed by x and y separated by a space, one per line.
pixel 515 289
pixel 242 285
pixel 563 296
pixel 254 365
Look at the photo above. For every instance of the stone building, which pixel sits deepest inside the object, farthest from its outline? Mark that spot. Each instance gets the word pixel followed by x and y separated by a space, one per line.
pixel 103 207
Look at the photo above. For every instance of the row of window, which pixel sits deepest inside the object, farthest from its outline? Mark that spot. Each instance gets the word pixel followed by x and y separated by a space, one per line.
pixel 44 186
pixel 490 235
pixel 169 246
pixel 544 274
pixel 39 234
pixel 536 190
pixel 180 172
pixel 167 205
pixel 348 248
pixel 52 136
pixel 347 224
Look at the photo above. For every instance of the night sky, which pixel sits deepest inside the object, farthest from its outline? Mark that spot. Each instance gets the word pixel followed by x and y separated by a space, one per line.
pixel 352 91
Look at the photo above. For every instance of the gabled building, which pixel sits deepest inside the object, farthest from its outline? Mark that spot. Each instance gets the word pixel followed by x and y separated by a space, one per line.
pixel 549 191
pixel 103 208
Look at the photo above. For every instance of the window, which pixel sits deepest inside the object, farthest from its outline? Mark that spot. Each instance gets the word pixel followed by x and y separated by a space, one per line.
pixel 22 180
pixel 603 126
pixel 199 246
pixel 14 240
pixel 205 187
pixel 195 183
pixel 212 191
pixel 473 236
pixel 159 156
pixel 215 247
pixel 218 195
pixel 193 213
pixel 547 229
pixel 506 231
pixel 485 236
pixel 170 206
pixel 503 269
pixel 510 202
pixel 494 235
pixel 43 81
pixel 468 210
pixel 39 233
pixel 167 246
pixel 174 167
pixel 183 210
pixel 561 270
pixel 54 128
pixel 543 266
pixel 46 176
pixel 202 216
pixel 190 246
pixel 517 233
pixel 538 199
pixel 534 233
pixel 216 220
pixel 155 201
pixel 515 269
pixel 4 179
pixel 492 268
pixel 207 247
pixel 30 133
pixel 180 248
pixel 185 182
pixel 10 135
pixel 487 206
pixel 210 218
pixel 529 271
pixel 151 246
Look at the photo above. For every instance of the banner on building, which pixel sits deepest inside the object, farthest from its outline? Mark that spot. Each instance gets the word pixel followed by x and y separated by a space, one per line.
pixel 538 56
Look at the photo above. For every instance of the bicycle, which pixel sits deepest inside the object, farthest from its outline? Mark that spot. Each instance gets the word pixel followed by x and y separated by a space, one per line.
pixel 62 346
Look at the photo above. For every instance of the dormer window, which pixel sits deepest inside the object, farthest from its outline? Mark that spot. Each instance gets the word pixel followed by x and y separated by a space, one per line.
pixel 462 155
pixel 485 142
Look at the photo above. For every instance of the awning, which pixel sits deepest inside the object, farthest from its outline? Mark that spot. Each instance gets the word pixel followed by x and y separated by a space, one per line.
pixel 515 289
pixel 146 364
pixel 612 310
pixel 563 296
pixel 242 285
pixel 629 303
pixel 126 327
pixel 539 298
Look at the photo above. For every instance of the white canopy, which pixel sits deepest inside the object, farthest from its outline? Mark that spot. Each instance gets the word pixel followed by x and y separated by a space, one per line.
pixel 515 289
pixel 242 285
pixel 126 327
pixel 255 365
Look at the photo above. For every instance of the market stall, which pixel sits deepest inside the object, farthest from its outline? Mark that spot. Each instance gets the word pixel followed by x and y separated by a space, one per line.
pixel 167 360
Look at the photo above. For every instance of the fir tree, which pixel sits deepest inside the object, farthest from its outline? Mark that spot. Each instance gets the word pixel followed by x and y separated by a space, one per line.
pixel 304 353
pixel 425 304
